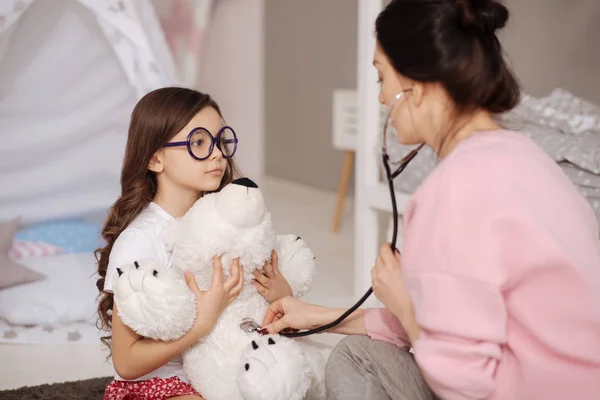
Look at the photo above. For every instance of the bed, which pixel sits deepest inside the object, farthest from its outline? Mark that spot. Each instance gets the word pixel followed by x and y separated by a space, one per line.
pixel 557 68
pixel 48 327
pixel 567 127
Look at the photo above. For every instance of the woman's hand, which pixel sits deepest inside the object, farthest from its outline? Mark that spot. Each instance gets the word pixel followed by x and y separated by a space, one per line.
pixel 290 312
pixel 211 303
pixel 271 285
pixel 388 284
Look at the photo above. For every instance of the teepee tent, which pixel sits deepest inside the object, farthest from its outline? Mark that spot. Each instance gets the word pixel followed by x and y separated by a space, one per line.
pixel 71 71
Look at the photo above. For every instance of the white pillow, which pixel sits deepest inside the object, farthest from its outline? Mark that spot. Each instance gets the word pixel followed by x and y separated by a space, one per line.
pixel 67 294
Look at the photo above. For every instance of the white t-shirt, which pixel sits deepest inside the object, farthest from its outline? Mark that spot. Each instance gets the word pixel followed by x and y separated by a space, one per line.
pixel 141 239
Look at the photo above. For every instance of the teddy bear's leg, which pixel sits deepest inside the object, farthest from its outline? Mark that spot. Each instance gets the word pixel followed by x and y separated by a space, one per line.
pixel 316 355
pixel 296 263
pixel 273 368
pixel 211 368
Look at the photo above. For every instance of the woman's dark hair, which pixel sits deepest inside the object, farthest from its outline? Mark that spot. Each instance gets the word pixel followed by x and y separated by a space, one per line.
pixel 454 43
pixel 156 118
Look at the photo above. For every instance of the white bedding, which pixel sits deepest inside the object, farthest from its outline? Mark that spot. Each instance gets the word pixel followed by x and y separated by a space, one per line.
pixel 564 125
pixel 76 333
pixel 66 295
pixel 53 337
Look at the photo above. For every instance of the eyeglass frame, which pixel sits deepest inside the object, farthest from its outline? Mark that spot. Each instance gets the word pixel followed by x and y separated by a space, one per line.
pixel 213 139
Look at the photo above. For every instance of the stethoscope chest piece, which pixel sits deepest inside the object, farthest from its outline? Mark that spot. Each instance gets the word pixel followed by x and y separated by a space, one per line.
pixel 249 325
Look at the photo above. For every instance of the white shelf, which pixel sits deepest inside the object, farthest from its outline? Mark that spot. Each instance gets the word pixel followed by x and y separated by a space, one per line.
pixel 367 189
pixel 371 194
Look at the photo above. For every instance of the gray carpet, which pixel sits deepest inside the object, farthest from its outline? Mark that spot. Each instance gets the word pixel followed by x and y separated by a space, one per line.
pixel 89 389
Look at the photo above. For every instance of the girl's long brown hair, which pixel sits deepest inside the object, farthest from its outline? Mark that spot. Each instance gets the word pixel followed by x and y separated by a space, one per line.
pixel 156 118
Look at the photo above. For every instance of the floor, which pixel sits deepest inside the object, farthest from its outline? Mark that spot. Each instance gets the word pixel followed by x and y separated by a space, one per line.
pixel 296 209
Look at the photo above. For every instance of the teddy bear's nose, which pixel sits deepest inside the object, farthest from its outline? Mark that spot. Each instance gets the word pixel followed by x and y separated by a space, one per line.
pixel 245 182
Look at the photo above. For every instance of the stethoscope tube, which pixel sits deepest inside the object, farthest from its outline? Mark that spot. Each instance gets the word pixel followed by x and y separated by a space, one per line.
pixel 359 303
pixel 390 178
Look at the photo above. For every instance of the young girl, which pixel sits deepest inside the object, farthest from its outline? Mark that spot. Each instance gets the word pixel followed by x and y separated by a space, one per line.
pixel 177 149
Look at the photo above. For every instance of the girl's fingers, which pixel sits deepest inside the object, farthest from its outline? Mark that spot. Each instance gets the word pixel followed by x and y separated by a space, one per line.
pixel 260 288
pixel 234 275
pixel 190 280
pixel 237 289
pixel 269 271
pixel 263 280
pixel 274 264
pixel 217 278
pixel 240 283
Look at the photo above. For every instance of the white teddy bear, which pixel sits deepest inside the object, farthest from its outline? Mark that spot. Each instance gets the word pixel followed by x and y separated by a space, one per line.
pixel 229 363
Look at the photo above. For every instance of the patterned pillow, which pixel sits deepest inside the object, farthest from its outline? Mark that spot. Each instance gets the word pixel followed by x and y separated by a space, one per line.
pixel 13 273
pixel 70 235
pixel 25 249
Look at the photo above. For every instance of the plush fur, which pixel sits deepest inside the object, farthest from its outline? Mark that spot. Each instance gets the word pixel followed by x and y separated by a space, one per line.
pixel 232 223
pixel 147 294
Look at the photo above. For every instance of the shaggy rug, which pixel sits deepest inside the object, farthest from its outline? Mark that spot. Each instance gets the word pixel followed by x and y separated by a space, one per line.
pixel 89 389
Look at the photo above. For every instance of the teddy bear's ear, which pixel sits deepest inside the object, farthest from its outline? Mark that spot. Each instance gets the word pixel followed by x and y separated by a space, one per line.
pixel 170 233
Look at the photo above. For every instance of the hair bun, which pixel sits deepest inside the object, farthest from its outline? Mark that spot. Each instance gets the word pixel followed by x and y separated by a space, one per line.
pixel 486 16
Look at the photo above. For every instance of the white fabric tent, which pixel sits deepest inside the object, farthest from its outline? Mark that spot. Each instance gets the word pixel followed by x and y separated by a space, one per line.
pixel 71 72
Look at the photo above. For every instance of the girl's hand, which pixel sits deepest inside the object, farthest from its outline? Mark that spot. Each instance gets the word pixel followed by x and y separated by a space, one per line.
pixel 211 303
pixel 271 285
pixel 388 285
pixel 290 312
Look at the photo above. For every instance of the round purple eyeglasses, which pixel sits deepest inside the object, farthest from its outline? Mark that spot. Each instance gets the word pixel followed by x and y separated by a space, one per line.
pixel 200 143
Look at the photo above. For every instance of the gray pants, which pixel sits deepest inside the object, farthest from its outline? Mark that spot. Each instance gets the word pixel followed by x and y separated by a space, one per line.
pixel 366 369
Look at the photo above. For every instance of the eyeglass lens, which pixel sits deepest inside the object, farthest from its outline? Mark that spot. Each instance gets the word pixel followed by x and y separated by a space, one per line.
pixel 201 143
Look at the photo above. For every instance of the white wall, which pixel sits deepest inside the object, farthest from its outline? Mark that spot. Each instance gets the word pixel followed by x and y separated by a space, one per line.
pixel 554 43
pixel 310 51
pixel 232 72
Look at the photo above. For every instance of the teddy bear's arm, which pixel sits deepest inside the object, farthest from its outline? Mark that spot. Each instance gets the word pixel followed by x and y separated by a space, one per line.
pixel 153 301
pixel 296 263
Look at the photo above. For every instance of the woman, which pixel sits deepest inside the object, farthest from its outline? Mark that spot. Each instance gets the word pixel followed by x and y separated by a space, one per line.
pixel 498 287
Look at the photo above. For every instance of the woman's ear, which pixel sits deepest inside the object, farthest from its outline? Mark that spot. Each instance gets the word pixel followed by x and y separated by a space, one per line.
pixel 156 165
pixel 418 93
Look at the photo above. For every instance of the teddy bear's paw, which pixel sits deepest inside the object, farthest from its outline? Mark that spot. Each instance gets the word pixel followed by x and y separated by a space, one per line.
pixel 154 301
pixel 296 263
pixel 273 368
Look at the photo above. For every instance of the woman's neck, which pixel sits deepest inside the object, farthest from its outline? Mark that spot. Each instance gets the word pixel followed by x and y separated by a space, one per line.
pixel 176 201
pixel 479 121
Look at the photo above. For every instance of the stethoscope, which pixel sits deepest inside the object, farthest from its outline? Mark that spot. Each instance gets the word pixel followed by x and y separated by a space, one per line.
pixel 251 325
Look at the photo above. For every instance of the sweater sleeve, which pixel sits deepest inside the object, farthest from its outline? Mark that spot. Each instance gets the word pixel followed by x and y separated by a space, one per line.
pixel 382 325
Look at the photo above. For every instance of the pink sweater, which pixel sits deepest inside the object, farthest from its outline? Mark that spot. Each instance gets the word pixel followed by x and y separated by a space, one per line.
pixel 501 260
